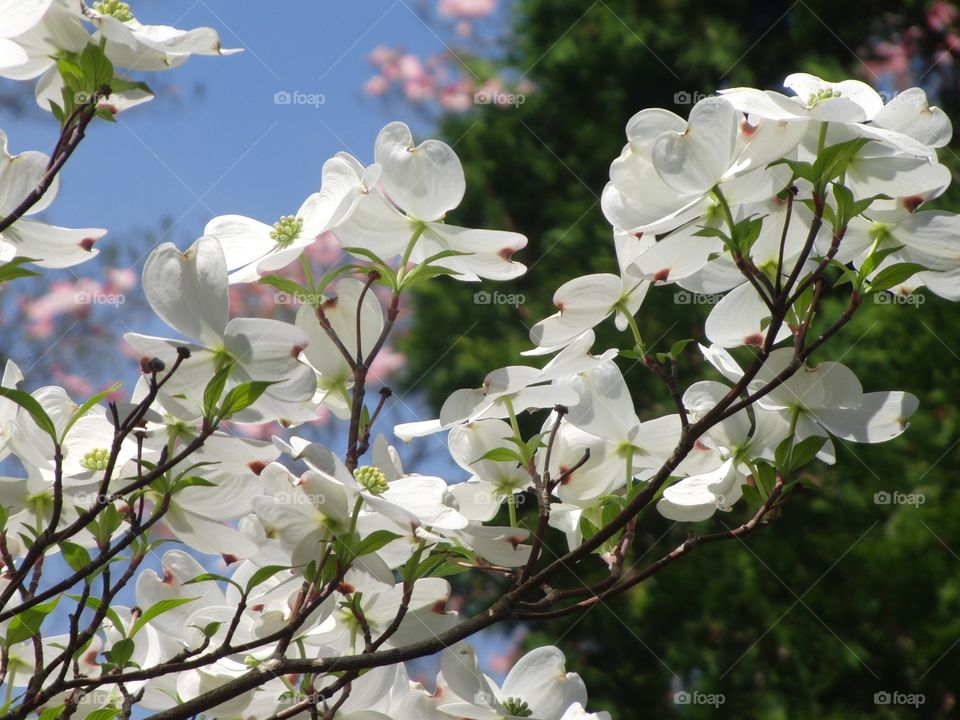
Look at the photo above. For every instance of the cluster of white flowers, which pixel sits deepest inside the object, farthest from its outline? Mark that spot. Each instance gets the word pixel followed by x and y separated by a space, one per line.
pixel 755 197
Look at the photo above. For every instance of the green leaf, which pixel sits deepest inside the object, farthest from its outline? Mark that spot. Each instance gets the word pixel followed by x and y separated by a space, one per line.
pixel 874 259
pixel 752 496
pixel 376 540
pixel 107 523
pixel 85 408
pixel 678 347
pixel 291 288
pixel 12 270
pixel 894 275
pixel 425 273
pixel 34 408
pixel 832 161
pixel 385 270
pixel 790 456
pixel 75 555
pixel 345 545
pixel 337 272
pixel 262 575
pixel 848 275
pixel 104 714
pixel 121 652
pixel 765 478
pixel 156 610
pixel 243 396
pixel 192 481
pixel 119 85
pixel 97 69
pixel 94 603
pixel 210 629
pixel 27 624
pixel 213 577
pixel 214 390
pixel 500 455
pixel 802 170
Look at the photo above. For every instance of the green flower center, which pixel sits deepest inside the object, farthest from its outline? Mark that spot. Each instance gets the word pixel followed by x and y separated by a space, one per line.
pixel 517 707
pixel 114 8
pixel 286 230
pixel 95 459
pixel 824 94
pixel 372 479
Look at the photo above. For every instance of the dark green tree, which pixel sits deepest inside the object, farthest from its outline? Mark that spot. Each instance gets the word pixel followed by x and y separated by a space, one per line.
pixel 842 597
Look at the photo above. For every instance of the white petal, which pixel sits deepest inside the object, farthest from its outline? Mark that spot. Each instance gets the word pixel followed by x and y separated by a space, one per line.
pixel 243 239
pixel 693 162
pixel 489 251
pixel 52 246
pixel 377 226
pixel 188 290
pixel 425 180
pixel 541 680
pixel 881 416
pixel 584 302
pixel 910 114
pixel 739 319
pixel 19 16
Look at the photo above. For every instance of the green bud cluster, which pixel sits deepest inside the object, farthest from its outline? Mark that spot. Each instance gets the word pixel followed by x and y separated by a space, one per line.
pixel 372 479
pixel 824 94
pixel 114 8
pixel 95 459
pixel 517 707
pixel 286 230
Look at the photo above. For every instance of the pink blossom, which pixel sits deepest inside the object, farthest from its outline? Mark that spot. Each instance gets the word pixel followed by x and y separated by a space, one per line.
pixel 382 55
pixel 377 85
pixel 411 68
pixel 121 280
pixel 325 250
pixel 941 15
pixel 419 90
pixel 73 384
pixel 385 364
pixel 466 8
pixel 457 97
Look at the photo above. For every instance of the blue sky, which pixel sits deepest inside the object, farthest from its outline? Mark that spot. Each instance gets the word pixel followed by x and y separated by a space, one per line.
pixel 229 148
pixel 214 141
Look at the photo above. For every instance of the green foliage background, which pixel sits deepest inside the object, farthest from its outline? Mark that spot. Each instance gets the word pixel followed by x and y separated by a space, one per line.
pixel 842 597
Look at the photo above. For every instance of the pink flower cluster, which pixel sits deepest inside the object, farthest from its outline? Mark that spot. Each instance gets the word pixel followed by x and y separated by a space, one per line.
pixel 443 78
pixel 436 79
pixel 473 9
pixel 904 55
pixel 76 298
